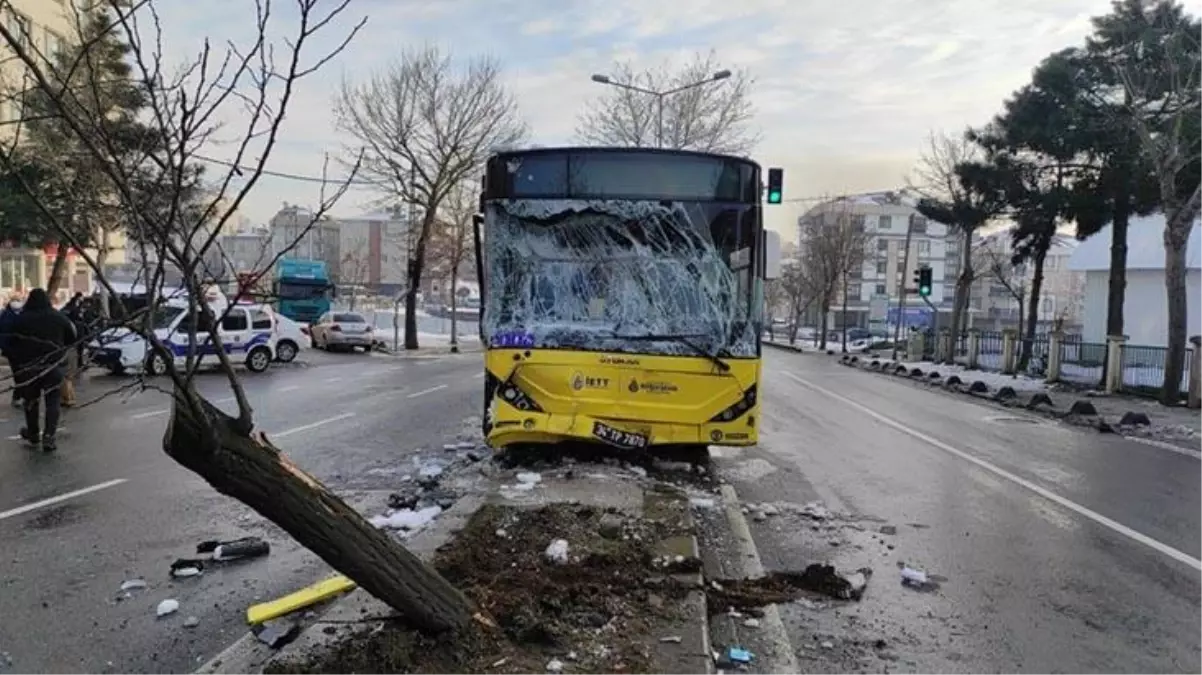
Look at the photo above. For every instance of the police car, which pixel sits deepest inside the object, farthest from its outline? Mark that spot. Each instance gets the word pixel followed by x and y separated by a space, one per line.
pixel 247 332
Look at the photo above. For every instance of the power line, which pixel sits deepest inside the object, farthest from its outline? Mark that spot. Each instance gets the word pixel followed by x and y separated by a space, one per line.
pixel 281 174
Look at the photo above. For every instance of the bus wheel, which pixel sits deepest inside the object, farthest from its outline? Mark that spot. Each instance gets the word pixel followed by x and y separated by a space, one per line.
pixel 156 365
pixel 258 360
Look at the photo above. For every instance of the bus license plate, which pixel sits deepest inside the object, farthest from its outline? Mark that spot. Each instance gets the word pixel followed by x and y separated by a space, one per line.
pixel 622 439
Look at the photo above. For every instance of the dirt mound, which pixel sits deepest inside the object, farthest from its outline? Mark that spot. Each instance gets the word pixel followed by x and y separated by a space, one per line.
pixel 596 612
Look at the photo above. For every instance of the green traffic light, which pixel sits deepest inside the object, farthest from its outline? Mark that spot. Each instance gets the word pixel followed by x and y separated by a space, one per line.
pixel 774 197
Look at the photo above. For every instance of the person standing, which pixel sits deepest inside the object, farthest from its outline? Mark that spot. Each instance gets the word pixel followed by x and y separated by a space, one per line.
pixel 8 318
pixel 40 340
pixel 73 310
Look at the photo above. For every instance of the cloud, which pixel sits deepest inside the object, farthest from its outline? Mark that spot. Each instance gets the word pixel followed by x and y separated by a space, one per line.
pixel 845 94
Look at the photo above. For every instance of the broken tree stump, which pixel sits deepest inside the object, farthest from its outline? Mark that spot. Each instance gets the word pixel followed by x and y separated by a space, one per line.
pixel 250 469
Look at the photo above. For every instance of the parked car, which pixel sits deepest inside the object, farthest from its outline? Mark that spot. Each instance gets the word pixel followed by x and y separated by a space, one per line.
pixel 291 338
pixel 342 330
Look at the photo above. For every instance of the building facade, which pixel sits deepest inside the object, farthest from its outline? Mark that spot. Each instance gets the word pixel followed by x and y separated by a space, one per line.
pixel 295 232
pixel 373 250
pixel 1001 290
pixel 876 289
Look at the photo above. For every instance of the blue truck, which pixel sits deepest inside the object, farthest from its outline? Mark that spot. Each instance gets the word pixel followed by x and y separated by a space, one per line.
pixel 303 289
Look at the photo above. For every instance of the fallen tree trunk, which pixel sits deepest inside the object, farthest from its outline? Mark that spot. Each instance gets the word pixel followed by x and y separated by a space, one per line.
pixel 253 471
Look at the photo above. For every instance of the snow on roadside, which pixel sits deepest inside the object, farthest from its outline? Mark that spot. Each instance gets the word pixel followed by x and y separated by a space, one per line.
pixel 993 380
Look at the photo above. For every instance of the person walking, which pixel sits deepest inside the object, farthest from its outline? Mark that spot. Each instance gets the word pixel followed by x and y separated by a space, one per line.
pixel 8 318
pixel 40 338
pixel 73 310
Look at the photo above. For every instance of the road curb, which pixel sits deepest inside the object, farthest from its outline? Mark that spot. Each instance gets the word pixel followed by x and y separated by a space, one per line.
pixel 781 657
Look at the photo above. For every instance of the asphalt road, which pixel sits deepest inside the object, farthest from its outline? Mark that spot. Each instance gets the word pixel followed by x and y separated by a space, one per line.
pixel 350 419
pixel 1063 550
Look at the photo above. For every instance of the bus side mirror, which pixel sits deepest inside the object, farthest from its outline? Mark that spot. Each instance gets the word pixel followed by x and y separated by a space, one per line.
pixel 770 253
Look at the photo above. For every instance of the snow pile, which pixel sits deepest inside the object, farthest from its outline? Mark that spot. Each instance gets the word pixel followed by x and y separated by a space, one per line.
pixel 408 520
pixel 557 552
pixel 991 379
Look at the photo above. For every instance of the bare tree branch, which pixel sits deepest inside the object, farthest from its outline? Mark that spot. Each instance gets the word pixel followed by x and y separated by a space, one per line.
pixel 711 117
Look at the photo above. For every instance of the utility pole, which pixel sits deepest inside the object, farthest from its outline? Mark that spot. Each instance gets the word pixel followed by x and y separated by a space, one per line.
pixel 901 289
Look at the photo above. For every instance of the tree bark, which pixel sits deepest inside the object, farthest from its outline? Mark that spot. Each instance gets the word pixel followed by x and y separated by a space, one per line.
pixel 253 471
pixel 415 280
pixel 843 313
pixel 1032 310
pixel 1176 240
pixel 963 292
pixel 454 307
pixel 824 322
pixel 57 270
pixel 1117 291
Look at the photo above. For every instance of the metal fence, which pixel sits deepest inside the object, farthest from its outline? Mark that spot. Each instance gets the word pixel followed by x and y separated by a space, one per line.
pixel 960 349
pixel 990 356
pixel 1143 370
pixel 1082 362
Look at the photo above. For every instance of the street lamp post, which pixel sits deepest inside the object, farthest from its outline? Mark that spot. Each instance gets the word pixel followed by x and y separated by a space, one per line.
pixel 660 96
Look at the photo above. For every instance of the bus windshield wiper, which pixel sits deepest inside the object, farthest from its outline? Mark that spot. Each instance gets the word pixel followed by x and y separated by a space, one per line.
pixel 686 341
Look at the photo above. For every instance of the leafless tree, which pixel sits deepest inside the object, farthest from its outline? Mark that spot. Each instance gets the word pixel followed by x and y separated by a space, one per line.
pixel 259 79
pixel 712 117
pixel 426 126
pixel 834 244
pixel 1165 103
pixel 776 299
pixel 451 243
pixel 994 261
pixel 948 195
pixel 797 284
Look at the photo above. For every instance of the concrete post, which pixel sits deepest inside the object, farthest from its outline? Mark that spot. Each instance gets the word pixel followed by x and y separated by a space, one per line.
pixel 1009 351
pixel 915 346
pixel 1055 340
pixel 1195 374
pixel 974 348
pixel 944 349
pixel 1114 361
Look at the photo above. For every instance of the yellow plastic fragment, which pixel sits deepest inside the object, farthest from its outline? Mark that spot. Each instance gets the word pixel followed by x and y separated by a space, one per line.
pixel 305 597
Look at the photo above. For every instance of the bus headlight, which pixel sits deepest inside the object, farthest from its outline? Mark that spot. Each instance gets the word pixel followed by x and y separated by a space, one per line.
pixel 517 398
pixel 740 408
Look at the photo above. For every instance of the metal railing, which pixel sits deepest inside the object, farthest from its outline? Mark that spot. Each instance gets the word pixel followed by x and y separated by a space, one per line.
pixel 1082 362
pixel 1143 370
pixel 990 356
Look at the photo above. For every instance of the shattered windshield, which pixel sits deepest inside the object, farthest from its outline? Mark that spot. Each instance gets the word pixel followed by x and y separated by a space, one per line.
pixel 618 275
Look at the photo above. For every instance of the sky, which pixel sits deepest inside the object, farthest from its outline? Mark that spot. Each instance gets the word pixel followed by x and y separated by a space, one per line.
pixel 845 93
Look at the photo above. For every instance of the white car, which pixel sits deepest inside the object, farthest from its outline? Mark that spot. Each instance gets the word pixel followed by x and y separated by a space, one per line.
pixel 247 332
pixel 291 337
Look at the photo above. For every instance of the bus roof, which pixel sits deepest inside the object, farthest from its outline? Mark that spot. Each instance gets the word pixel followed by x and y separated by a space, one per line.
pixel 607 149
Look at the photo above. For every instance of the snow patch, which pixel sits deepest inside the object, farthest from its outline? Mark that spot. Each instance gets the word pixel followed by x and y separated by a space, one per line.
pixel 407 519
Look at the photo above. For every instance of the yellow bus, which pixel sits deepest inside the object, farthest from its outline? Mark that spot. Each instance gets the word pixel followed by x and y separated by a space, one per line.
pixel 622 296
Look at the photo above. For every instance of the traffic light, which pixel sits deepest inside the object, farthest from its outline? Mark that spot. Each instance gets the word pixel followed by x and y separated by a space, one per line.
pixel 776 185
pixel 922 279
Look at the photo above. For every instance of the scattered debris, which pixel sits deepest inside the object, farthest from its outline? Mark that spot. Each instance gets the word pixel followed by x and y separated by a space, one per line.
pixel 781 587
pixel 611 525
pixel 918 580
pixel 276 634
pixel 529 478
pixel 191 622
pixel 502 533
pixel 557 552
pixel 133 584
pixel 247 547
pixel 184 567
pixel 815 511
pixel 499 662
pixel 759 516
pixel 888 529
pixel 673 639
pixel 555 666
pixel 739 655
pixel 701 502
pixel 827 644
pixel 404 500
pixel 298 600
pixel 637 470
pixel 476 455
pixel 769 509
pixel 752 623
pixel 911 576
pixel 166 607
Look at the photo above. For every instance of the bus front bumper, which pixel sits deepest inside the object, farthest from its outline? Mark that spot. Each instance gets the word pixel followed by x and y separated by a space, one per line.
pixel 512 426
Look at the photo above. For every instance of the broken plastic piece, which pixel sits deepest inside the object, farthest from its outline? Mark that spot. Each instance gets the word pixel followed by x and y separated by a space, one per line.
pixel 133 584
pixel 739 655
pixel 250 547
pixel 305 597
pixel 185 567
pixel 555 666
pixel 278 634
pixel 166 607
pixel 913 576
pixel 529 477
pixel 674 639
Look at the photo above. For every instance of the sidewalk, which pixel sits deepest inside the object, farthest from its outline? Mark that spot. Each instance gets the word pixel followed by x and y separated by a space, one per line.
pixel 499 546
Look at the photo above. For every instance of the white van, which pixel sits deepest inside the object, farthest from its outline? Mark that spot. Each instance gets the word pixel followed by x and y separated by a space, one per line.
pixel 246 331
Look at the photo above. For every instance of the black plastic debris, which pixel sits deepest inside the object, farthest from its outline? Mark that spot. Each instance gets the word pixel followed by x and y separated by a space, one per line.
pixel 237 549
pixel 276 634
pixel 186 567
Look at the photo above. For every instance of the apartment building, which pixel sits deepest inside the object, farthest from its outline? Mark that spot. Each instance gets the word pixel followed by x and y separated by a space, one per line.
pixel 373 249
pixel 49 26
pixel 874 291
pixel 314 238
pixel 995 300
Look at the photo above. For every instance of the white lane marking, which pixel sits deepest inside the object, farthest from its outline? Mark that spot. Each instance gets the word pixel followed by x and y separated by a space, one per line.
pixel 60 498
pixel 423 392
pixel 478 376
pixel 1098 518
pixel 332 379
pixel 291 387
pixel 313 425
pixel 1165 446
